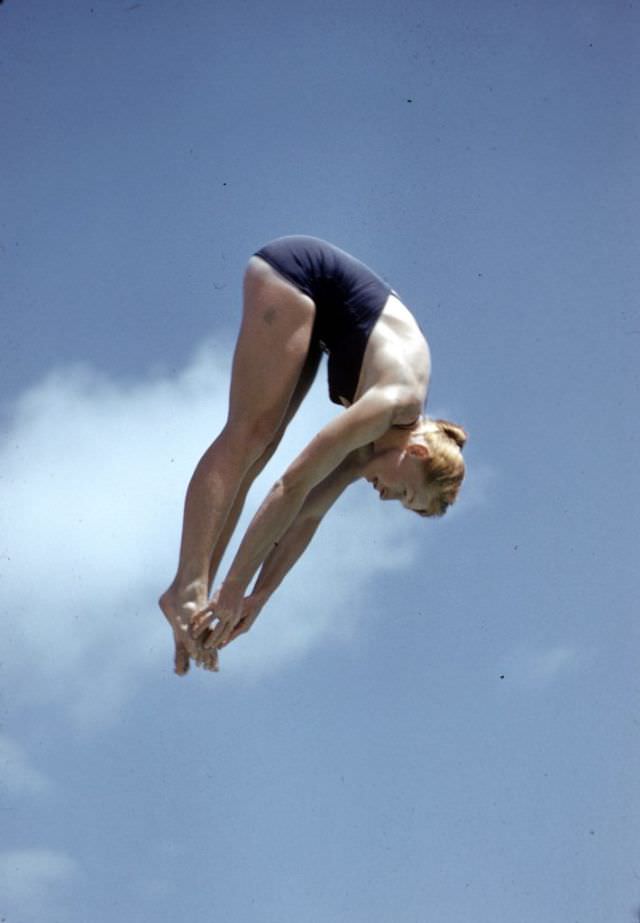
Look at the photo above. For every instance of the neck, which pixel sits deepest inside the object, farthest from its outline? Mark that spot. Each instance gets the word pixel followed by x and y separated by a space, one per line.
pixel 395 438
pixel 399 435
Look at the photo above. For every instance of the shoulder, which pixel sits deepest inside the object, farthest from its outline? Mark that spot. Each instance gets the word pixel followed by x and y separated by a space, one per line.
pixel 358 426
pixel 400 404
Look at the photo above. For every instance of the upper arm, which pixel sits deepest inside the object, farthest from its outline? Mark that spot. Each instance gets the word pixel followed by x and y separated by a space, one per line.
pixel 359 425
pixel 322 497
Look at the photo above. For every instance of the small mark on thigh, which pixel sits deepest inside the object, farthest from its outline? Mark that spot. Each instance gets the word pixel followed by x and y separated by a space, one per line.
pixel 269 316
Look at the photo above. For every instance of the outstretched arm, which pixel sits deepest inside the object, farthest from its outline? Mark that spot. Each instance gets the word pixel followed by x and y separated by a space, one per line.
pixel 294 542
pixel 359 426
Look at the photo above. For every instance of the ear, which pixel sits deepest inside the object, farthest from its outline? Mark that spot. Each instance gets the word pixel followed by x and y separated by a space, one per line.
pixel 418 450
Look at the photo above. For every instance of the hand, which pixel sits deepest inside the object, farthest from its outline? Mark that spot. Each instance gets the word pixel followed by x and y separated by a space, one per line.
pixel 251 608
pixel 214 624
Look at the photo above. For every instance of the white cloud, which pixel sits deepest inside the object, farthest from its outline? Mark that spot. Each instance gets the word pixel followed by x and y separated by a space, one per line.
pixel 33 882
pixel 17 775
pixel 94 474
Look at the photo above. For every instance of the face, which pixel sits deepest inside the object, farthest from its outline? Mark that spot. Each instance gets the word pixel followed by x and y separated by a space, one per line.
pixel 399 475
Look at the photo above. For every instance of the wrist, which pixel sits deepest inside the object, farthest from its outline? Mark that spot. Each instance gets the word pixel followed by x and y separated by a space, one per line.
pixel 233 582
pixel 260 595
pixel 236 580
pixel 230 592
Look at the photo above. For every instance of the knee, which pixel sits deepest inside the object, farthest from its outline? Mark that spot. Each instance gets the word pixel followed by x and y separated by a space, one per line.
pixel 252 440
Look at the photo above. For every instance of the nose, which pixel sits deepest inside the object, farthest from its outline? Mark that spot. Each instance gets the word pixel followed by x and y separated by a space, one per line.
pixel 380 488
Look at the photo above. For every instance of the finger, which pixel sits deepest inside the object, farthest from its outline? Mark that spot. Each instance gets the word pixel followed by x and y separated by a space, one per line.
pixel 181 659
pixel 227 633
pixel 201 621
pixel 243 626
pixel 204 640
pixel 216 635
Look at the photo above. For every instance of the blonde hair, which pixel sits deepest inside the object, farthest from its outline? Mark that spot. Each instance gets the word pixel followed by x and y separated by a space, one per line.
pixel 444 468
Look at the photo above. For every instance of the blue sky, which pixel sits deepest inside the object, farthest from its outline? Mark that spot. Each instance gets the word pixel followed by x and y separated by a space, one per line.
pixel 431 721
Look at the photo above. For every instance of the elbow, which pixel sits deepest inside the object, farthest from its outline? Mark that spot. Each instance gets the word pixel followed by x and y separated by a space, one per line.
pixel 405 407
pixel 292 488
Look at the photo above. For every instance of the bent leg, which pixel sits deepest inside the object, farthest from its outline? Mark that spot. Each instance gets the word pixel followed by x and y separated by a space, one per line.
pixel 269 359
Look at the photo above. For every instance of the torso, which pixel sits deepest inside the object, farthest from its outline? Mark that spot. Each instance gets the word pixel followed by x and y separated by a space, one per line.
pixel 397 356
pixel 372 339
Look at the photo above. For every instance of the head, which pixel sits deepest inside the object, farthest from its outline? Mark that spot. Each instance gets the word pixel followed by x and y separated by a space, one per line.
pixel 422 468
pixel 443 463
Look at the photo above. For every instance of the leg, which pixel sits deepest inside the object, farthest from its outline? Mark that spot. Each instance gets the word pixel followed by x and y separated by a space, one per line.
pixel 270 355
pixel 302 388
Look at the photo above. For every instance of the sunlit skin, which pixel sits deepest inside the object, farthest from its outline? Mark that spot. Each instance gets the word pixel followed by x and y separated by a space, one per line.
pixel 273 369
pixel 397 473
pixel 394 466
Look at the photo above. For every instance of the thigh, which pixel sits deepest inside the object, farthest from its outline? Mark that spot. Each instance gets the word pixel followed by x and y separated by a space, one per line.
pixel 306 379
pixel 300 392
pixel 273 348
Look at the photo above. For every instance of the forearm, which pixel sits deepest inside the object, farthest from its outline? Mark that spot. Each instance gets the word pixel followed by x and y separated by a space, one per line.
pixel 285 552
pixel 284 525
pixel 284 555
pixel 331 452
pixel 269 524
pixel 277 536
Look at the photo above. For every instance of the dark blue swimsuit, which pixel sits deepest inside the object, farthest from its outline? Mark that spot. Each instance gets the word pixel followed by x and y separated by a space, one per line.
pixel 348 296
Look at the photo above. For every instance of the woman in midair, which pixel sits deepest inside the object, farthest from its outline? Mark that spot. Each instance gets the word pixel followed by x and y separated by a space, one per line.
pixel 303 296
